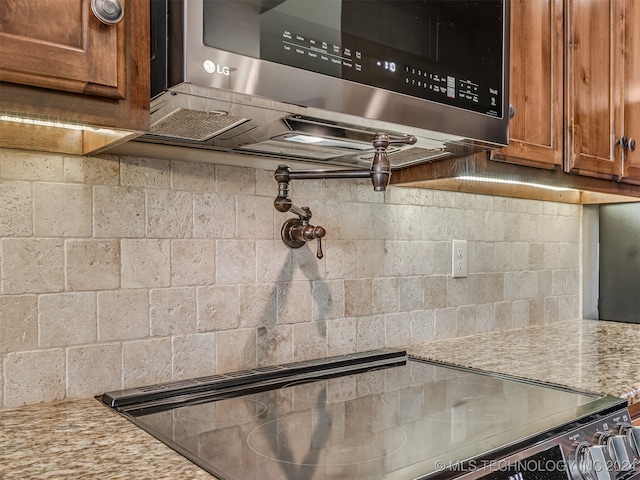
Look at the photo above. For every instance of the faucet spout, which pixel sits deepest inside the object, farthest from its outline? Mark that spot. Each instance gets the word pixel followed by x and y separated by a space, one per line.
pixel 380 165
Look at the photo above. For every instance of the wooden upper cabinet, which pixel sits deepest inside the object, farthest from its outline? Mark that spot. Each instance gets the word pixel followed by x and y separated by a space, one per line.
pixel 602 74
pixel 631 160
pixel 60 63
pixel 536 84
pixel 60 44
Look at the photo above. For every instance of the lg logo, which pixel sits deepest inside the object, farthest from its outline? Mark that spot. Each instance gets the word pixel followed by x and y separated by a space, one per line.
pixel 211 67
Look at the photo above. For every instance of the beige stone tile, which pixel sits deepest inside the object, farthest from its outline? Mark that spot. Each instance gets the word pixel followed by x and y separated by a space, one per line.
pixel 309 340
pixel 466 320
pixel 512 286
pixel 559 282
pixel 236 350
pixel 423 326
pixel 485 317
pixel 293 302
pixel 385 295
pixel 146 362
pixel 446 325
pixel 236 261
pixel 519 255
pixel 503 315
pixel 16 216
pixel 102 170
pixel 18 323
pixel 254 217
pixel 50 203
pixel 193 176
pixel 193 262
pixel 433 227
pixel 536 311
pixel 370 333
pixel 145 172
pixel 214 215
pixel 341 336
pixel 455 223
pixel 274 345
pixel 119 212
pixel 273 261
pixel 529 284
pixel 173 311
pixel 92 264
pixel 218 308
pixel 520 312
pixel 410 294
pixel 145 263
pixel 356 221
pixel 435 291
pixel 32 265
pixel 513 227
pixel 370 258
pixel 327 299
pixel 94 369
pixel 397 258
pixel 397 329
pixel 194 356
pixel 169 214
pixel 257 304
pixel 545 283
pixel 34 377
pixel 123 315
pixel 33 166
pixel 238 180
pixel 305 266
pixel 485 287
pixel 442 258
pixel 67 319
pixel 266 185
pixel 341 259
pixel 460 290
pixel 551 309
pixel 358 297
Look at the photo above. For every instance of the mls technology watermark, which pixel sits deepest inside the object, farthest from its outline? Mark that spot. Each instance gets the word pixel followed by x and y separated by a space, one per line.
pixel 524 466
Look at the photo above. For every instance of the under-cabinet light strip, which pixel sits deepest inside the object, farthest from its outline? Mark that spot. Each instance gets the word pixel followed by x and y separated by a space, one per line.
pixel 514 182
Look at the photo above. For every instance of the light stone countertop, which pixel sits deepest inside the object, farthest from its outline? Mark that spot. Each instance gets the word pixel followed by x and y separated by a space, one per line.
pixel 84 439
pixel 589 355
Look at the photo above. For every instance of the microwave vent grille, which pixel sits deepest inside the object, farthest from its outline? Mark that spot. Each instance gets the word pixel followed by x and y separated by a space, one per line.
pixel 194 125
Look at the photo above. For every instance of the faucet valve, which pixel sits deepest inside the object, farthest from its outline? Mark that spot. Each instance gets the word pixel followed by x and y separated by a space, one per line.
pixel 296 232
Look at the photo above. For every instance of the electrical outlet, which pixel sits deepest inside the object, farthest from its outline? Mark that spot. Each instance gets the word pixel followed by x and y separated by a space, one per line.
pixel 459 258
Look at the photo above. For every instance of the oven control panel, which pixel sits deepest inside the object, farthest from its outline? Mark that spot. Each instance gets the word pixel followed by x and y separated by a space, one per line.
pixel 605 449
pixel 608 449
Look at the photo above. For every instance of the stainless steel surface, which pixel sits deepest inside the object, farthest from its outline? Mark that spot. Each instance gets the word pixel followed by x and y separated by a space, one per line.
pixel 240 104
pixel 619 263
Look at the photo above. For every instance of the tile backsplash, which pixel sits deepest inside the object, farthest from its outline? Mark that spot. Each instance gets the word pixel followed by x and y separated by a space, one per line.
pixel 123 271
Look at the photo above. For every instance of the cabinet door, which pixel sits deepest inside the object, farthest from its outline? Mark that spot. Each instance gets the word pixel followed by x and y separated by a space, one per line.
pixel 537 43
pixel 61 45
pixel 632 89
pixel 594 92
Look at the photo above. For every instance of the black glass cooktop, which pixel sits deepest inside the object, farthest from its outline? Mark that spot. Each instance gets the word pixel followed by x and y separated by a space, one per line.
pixel 409 419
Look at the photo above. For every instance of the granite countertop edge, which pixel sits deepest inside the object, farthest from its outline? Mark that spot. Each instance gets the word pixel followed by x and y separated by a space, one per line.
pixel 585 355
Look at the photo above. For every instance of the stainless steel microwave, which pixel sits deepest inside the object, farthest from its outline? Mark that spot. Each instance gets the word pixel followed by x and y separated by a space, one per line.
pixel 314 80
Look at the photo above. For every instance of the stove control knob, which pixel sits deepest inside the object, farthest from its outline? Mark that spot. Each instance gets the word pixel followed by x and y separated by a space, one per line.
pixel 591 462
pixel 633 437
pixel 617 447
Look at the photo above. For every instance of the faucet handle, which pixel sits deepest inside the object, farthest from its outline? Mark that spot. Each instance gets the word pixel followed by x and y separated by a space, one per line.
pixel 296 232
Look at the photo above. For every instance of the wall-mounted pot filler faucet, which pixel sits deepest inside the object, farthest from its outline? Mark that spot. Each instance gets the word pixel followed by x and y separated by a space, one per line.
pixel 298 231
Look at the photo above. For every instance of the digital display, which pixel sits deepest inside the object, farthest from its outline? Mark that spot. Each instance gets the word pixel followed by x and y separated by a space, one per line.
pixel 446 51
